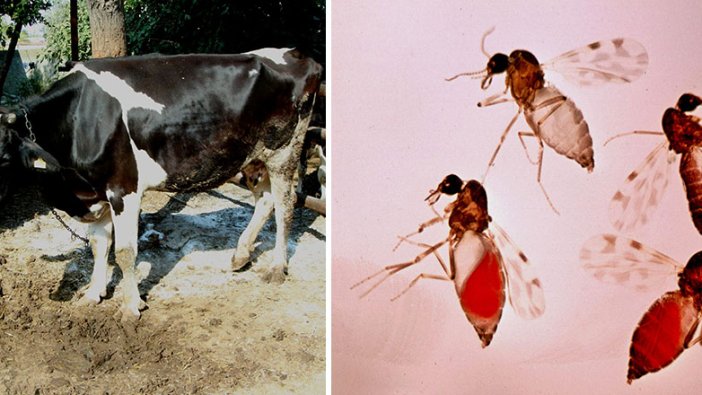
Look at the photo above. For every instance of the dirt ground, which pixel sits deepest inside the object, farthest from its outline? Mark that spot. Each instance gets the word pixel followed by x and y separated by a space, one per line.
pixel 207 329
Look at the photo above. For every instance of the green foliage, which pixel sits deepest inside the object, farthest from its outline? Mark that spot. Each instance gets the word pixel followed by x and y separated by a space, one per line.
pixel 25 12
pixel 58 33
pixel 189 26
pixel 35 84
pixel 218 26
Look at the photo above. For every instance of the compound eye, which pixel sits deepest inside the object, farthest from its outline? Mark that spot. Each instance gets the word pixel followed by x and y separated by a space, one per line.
pixel 688 102
pixel 497 64
pixel 451 184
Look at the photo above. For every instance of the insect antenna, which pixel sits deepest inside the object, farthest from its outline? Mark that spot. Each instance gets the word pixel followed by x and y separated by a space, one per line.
pixel 639 132
pixel 482 41
pixel 476 74
pixel 472 74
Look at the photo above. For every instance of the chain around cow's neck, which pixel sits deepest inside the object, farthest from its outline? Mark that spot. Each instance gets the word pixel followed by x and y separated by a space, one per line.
pixel 28 124
pixel 73 233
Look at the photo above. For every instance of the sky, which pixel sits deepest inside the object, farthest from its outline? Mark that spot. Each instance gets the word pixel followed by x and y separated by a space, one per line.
pixel 398 128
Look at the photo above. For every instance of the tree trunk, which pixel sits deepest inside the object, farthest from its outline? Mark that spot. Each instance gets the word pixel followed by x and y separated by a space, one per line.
pixel 9 55
pixel 74 30
pixel 108 38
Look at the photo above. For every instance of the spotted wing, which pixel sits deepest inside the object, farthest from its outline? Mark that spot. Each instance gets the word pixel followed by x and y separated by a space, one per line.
pixel 525 292
pixel 635 202
pixel 620 260
pixel 619 60
pixel 664 331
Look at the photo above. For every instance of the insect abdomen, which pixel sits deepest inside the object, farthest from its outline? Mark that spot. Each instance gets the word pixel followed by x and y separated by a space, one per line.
pixel 662 334
pixel 691 173
pixel 561 125
pixel 482 295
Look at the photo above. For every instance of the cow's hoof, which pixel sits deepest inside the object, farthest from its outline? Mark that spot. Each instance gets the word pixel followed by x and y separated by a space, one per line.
pixel 87 300
pixel 239 261
pixel 91 297
pixel 272 274
pixel 131 313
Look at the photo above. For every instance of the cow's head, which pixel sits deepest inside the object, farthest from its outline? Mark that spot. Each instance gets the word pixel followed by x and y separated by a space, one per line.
pixel 17 149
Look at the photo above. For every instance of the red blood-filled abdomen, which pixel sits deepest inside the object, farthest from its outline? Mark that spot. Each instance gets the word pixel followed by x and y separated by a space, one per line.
pixel 482 295
pixel 691 173
pixel 662 334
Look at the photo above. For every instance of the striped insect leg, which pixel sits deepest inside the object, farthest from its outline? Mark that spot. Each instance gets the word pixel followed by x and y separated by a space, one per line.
pixel 662 334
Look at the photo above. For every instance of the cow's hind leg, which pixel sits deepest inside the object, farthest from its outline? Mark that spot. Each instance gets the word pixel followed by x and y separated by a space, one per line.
pixel 283 202
pixel 126 224
pixel 100 236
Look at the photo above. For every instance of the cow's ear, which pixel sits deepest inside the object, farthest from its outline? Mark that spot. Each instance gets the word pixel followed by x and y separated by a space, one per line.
pixel 32 156
pixel 8 119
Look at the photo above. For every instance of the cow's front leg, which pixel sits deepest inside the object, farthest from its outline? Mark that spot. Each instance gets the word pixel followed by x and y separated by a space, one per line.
pixel 262 210
pixel 100 236
pixel 126 224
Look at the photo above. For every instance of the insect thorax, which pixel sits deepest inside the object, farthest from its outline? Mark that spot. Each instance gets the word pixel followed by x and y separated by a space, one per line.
pixel 470 210
pixel 524 76
pixel 690 280
pixel 682 130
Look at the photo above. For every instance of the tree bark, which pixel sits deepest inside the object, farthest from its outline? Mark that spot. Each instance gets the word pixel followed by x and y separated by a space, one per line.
pixel 74 30
pixel 9 55
pixel 108 38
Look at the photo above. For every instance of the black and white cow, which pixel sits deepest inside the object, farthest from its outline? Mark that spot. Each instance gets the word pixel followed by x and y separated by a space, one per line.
pixel 113 128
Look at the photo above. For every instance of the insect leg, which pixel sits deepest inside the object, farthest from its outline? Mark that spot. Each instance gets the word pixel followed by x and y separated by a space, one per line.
pixel 436 254
pixel 497 98
pixel 448 277
pixel 526 150
pixel 499 145
pixel 421 275
pixel 616 136
pixel 538 173
pixel 421 228
pixel 558 99
pixel 392 269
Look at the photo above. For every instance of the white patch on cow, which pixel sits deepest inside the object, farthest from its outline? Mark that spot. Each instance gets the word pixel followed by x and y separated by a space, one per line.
pixel 116 87
pixel 100 235
pixel 126 227
pixel 151 174
pixel 253 73
pixel 274 54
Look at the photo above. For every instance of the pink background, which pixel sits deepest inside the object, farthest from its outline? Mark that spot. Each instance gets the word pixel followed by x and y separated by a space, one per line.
pixel 399 128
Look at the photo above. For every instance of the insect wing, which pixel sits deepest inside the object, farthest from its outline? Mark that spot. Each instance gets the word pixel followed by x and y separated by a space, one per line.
pixel 664 331
pixel 480 283
pixel 525 292
pixel 619 60
pixel 620 260
pixel 635 202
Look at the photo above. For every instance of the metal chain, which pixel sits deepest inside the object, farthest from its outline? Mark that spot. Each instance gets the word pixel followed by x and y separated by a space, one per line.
pixel 28 125
pixel 74 235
